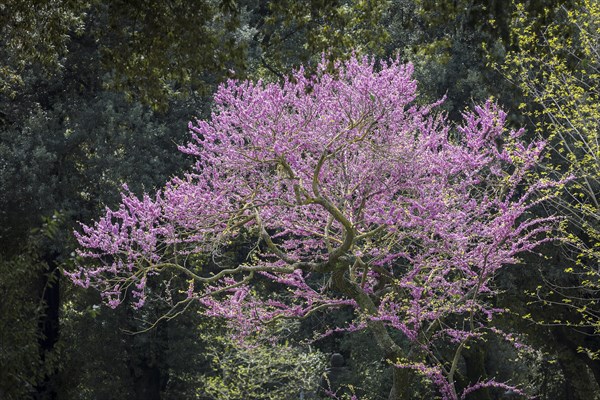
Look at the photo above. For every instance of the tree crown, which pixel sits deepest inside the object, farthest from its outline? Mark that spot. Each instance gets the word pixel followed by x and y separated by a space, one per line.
pixel 353 195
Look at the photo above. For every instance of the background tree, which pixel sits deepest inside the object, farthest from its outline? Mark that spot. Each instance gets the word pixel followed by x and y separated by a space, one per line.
pixel 37 35
pixel 448 42
pixel 25 361
pixel 557 68
pixel 291 33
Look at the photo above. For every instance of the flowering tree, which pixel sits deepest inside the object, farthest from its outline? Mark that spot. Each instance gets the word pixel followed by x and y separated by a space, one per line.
pixel 355 196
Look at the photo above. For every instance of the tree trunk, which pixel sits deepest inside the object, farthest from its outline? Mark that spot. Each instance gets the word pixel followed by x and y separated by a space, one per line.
pixel 147 381
pixel 580 382
pixel 401 384
pixel 401 377
pixel 49 326
pixel 475 370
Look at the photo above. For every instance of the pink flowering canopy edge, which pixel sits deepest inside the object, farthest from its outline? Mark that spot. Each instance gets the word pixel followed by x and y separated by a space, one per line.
pixel 355 195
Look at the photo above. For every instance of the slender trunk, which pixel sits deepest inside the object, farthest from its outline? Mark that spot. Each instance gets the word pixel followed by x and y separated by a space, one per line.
pixel 49 326
pixel 401 384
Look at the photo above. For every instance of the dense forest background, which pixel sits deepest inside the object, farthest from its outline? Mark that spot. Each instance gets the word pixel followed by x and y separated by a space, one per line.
pixel 94 94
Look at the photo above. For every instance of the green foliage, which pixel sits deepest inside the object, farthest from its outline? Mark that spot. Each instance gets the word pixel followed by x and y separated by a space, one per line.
pixel 156 51
pixel 92 341
pixel 277 370
pixel 75 156
pixel 444 40
pixel 116 354
pixel 35 33
pixel 153 52
pixel 366 361
pixel 290 33
pixel 23 365
pixel 448 44
pixel 20 360
pixel 66 144
pixel 557 67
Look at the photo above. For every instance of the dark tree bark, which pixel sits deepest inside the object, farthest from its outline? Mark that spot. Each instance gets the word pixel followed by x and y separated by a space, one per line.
pixel 146 382
pixel 475 370
pixel 49 325
pixel 401 377
pixel 580 381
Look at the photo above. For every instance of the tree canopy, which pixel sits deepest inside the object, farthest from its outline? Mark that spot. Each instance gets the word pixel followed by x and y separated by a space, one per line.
pixel 352 195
